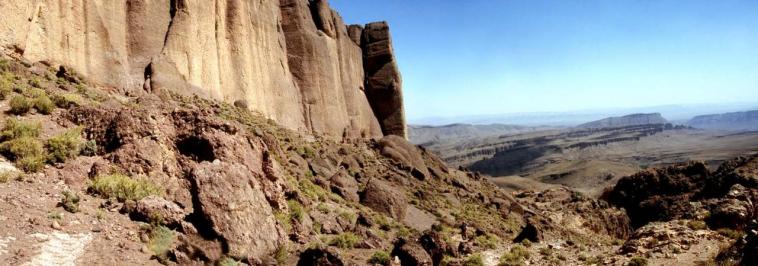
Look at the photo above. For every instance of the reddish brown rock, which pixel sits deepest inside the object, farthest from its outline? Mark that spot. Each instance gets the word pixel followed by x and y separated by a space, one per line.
pixel 405 153
pixel 382 197
pixel 383 81
pixel 232 200
pixel 411 254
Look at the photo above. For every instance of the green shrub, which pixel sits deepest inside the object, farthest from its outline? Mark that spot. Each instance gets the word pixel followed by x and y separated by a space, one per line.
pixel 70 201
pixel 14 129
pixel 66 100
pixel 7 176
pixel 123 187
pixel 89 148
pixel 26 152
pixel 380 257
pixel 637 261
pixel 345 240
pixel 296 210
pixel 486 241
pixel 546 251
pixel 696 225
pixel 730 233
pixel 31 164
pixel 161 239
pixel 22 147
pixel 35 82
pixel 4 64
pixel 515 256
pixel 281 254
pixel 20 105
pixel 44 105
pixel 64 146
pixel 311 190
pixel 227 261
pixel 285 220
pixel 474 260
pixel 6 85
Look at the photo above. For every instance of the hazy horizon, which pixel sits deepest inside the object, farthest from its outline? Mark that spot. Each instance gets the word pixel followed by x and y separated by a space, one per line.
pixel 497 57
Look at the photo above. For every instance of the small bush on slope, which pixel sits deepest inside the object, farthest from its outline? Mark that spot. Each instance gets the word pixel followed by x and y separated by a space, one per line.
pixel 20 105
pixel 515 256
pixel 44 105
pixel 345 240
pixel 161 239
pixel 65 145
pixel 17 129
pixel 123 187
pixel 70 201
pixel 380 257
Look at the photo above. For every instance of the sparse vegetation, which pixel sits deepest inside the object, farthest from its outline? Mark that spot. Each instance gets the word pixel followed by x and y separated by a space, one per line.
pixel 123 188
pixel 284 219
pixel 27 152
pixel 697 225
pixel 20 105
pixel 311 190
pixel 345 240
pixel 66 100
pixel 44 105
pixel 21 144
pixel 281 255
pixel 730 233
pixel 228 262
pixel 70 201
pixel 487 241
pixel 546 251
pixel 380 257
pixel 474 260
pixel 296 210
pixel 65 145
pixel 161 239
pixel 637 261
pixel 89 148
pixel 516 256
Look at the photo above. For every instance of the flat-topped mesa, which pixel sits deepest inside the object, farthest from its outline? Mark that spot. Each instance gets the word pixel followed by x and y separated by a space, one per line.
pixel 294 61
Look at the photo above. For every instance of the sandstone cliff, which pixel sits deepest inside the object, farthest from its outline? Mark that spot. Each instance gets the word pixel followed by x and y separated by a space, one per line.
pixel 294 61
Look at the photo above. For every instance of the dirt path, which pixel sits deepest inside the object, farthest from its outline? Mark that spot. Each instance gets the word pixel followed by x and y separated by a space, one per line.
pixel 59 249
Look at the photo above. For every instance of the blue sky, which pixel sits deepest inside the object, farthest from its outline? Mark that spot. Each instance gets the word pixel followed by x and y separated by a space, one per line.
pixel 478 57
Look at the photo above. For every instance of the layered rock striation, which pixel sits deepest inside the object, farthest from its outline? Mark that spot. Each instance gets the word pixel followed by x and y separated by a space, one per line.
pixel 294 61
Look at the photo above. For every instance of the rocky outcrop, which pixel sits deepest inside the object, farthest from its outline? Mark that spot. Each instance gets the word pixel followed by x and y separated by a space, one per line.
pixel 294 61
pixel 383 81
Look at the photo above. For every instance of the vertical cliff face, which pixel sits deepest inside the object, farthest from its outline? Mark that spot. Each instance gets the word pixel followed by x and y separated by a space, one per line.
pixel 295 61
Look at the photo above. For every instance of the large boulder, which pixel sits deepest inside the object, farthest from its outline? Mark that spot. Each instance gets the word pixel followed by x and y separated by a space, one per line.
pixel 320 257
pixel 406 154
pixel 345 186
pixel 382 197
pixel 154 207
pixel 411 254
pixel 232 201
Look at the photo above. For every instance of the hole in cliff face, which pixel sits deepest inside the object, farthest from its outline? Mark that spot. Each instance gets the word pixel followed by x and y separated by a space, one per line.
pixel 197 148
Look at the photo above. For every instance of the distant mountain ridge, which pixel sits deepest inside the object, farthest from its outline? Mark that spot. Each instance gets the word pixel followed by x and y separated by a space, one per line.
pixel 737 121
pixel 424 134
pixel 627 120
